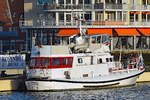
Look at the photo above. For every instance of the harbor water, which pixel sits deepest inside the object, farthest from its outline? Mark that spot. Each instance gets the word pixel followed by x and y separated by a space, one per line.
pixel 140 91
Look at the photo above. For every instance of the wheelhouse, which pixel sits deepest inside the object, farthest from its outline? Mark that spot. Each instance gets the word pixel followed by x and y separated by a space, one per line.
pixel 50 62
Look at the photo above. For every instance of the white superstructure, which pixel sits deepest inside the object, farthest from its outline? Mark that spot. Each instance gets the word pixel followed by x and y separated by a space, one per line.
pixel 78 65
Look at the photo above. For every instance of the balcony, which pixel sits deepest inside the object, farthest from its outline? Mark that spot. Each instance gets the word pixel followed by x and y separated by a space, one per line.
pixel 114 6
pixel 145 7
pixel 109 23
pixel 68 6
pixel 74 24
pixel 81 6
pixel 72 7
pixel 100 6
pixel 140 23
pixel 139 7
pixel 91 7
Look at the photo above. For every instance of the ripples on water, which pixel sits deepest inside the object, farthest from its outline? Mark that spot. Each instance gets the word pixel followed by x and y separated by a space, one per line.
pixel 138 92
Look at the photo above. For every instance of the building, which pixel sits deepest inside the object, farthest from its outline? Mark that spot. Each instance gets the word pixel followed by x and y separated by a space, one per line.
pixel 127 22
pixel 12 39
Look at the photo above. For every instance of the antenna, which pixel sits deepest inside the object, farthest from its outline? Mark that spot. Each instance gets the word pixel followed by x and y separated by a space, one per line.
pixel 79 18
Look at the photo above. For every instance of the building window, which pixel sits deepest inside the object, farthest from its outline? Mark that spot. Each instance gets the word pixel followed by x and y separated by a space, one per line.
pixel 80 1
pixel 43 1
pixel 68 1
pixel 61 16
pixel 10 29
pixel 97 1
pixel 12 45
pixel 1 29
pixel 124 16
pixel 45 38
pixel 144 17
pixel 32 63
pixel 61 1
pixel 136 17
pixel 87 16
pixel 87 1
pixel 148 17
pixel 131 17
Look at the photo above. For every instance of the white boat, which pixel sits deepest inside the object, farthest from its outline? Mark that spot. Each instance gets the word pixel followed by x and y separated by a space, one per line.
pixel 78 66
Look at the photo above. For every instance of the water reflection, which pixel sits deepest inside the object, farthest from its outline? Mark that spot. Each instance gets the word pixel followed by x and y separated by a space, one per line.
pixel 138 92
pixel 16 96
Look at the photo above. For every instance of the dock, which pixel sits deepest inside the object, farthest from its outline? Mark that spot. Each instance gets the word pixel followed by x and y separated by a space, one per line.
pixel 13 81
pixel 11 85
pixel 145 77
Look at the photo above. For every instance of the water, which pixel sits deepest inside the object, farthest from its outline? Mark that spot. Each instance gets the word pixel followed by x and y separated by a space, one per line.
pixel 141 91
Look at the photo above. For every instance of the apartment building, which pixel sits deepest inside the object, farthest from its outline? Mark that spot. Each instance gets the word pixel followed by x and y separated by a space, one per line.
pixel 12 39
pixel 127 22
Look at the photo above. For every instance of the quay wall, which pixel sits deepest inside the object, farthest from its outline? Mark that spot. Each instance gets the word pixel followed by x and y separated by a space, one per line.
pixel 12 85
pixel 145 77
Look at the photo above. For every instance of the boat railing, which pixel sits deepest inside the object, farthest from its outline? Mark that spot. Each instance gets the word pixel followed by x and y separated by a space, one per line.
pixel 118 65
pixel 132 64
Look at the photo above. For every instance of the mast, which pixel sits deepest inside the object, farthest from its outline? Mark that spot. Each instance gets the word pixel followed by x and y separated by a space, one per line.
pixel 80 27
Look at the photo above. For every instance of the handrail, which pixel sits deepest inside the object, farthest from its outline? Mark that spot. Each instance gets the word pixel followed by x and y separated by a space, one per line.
pixel 94 6
pixel 74 23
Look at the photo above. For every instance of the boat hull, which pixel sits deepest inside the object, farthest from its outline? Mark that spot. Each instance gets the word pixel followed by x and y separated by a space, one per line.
pixel 43 85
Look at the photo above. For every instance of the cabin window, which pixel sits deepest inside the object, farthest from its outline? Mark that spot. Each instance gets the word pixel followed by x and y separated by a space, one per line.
pixel 46 62
pixel 107 60
pixel 65 61
pixel 80 60
pixel 98 39
pixel 99 61
pixel 111 59
pixel 56 62
pixel 32 63
pixel 70 60
pixel 93 39
pixel 38 62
